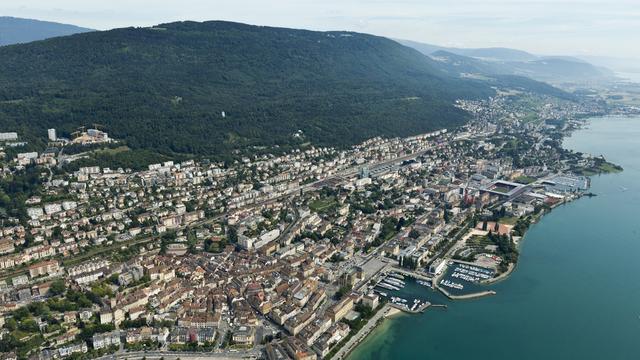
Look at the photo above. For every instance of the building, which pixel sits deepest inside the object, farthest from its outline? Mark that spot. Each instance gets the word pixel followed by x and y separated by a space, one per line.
pixel 104 340
pixel 370 300
pixel 8 136
pixel 52 134
pixel 7 246
pixel 243 335
pixel 48 267
pixel 340 310
pixel 298 350
pixel 437 267
pixel 352 277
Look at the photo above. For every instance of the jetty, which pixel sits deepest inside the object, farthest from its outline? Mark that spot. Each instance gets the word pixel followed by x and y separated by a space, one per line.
pixel 465 296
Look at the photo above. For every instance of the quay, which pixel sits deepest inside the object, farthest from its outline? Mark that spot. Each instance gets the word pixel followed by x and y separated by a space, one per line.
pixel 413 274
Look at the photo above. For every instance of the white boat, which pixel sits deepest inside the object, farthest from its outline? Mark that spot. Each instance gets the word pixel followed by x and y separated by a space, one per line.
pixel 396 275
pixel 397 286
pixel 387 286
pixel 394 281
pixel 451 284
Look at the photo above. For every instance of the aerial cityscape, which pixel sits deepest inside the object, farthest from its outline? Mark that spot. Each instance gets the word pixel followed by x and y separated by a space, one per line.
pixel 218 190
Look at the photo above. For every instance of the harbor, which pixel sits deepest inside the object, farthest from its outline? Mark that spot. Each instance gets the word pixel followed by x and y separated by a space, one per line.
pixel 405 291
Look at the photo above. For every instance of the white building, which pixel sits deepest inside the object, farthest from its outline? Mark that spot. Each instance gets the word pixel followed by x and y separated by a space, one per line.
pixel 52 208
pixel 52 134
pixel 35 212
pixel 101 341
pixel 438 266
pixel 8 136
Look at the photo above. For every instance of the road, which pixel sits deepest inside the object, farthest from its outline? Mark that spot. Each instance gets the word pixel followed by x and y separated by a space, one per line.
pixel 251 354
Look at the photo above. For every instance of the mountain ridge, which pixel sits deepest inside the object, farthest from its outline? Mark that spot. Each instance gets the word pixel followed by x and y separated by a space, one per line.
pixel 218 88
pixel 176 79
pixel 14 30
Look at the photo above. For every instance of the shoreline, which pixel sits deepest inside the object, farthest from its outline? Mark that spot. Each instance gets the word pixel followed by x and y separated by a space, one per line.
pixel 512 267
pixel 385 312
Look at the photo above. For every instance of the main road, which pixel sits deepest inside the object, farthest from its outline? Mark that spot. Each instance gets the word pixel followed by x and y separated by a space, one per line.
pixel 230 355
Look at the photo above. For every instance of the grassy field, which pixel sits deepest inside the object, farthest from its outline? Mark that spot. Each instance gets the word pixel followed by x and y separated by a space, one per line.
pixel 608 168
pixel 112 151
pixel 509 220
pixel 525 179
pixel 478 242
pixel 323 204
pixel 604 167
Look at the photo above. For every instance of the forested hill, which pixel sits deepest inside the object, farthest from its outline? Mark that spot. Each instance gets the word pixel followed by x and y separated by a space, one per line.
pixel 16 30
pixel 165 88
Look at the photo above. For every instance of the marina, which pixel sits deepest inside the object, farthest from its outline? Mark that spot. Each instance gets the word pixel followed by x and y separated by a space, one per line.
pixel 465 280
pixel 406 293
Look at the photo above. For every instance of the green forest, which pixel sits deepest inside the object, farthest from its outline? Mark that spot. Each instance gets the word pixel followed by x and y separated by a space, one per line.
pixel 165 88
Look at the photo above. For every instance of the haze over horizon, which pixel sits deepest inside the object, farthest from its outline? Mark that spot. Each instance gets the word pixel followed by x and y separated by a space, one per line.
pixel 545 27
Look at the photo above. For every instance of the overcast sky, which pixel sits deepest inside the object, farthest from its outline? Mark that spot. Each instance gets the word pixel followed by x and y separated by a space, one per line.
pixel 560 27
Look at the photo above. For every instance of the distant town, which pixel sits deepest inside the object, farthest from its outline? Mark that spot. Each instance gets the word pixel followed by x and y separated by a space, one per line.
pixel 288 256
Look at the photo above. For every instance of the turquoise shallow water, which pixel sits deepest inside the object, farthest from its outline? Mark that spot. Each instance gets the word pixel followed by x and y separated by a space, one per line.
pixel 575 293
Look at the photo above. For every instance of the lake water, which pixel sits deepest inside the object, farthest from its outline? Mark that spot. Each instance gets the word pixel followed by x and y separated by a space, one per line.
pixel 575 293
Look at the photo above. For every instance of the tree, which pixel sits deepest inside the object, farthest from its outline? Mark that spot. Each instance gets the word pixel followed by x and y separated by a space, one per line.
pixel 344 290
pixel 232 234
pixel 57 287
pixel 11 324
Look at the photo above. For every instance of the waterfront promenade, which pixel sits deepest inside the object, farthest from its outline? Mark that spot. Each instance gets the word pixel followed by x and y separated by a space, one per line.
pixel 385 311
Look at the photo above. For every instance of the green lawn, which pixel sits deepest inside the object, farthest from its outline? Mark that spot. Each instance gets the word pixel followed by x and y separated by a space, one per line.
pixel 608 168
pixel 508 220
pixel 111 151
pixel 479 242
pixel 525 179
pixel 323 204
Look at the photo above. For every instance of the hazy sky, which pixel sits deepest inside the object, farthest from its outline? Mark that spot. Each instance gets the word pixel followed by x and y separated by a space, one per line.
pixel 584 27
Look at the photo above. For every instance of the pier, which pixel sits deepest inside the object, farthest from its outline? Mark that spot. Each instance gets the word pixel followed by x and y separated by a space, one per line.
pixel 466 296
pixel 419 310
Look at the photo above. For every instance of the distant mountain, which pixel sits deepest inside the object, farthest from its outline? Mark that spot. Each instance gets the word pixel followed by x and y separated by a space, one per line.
pixel 455 64
pixel 552 69
pixel 558 69
pixel 498 54
pixel 627 65
pixel 427 49
pixel 18 31
pixel 494 54
pixel 492 73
